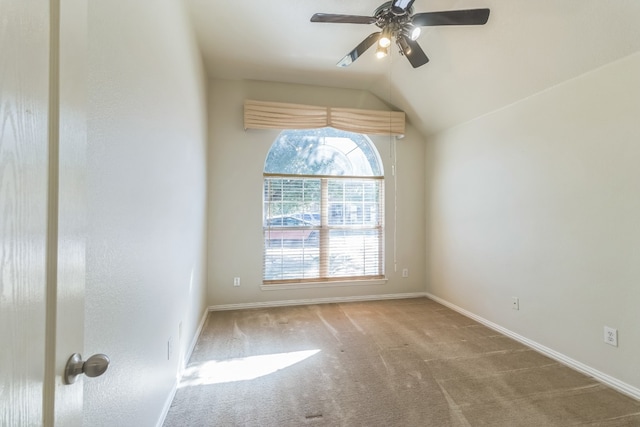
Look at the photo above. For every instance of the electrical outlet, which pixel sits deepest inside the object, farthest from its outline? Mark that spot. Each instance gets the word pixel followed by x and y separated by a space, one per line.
pixel 236 281
pixel 169 348
pixel 611 336
pixel 515 303
pixel 405 272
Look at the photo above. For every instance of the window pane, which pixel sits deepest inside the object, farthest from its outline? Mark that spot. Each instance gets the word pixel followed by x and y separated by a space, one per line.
pixel 354 202
pixel 323 151
pixel 287 258
pixel 355 253
pixel 295 197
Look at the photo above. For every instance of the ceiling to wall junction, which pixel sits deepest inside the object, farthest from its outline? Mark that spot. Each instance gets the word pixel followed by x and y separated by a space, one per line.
pixel 526 47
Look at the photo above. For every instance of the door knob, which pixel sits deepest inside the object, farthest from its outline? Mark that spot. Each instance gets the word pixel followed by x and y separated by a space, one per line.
pixel 94 366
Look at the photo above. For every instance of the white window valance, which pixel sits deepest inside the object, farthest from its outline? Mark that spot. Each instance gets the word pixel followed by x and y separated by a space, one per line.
pixel 277 115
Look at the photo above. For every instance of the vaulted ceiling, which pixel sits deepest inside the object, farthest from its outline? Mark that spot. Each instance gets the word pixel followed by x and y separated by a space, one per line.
pixel 526 47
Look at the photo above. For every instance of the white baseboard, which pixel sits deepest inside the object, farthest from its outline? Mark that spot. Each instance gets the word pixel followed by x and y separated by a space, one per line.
pixel 167 404
pixel 181 368
pixel 194 341
pixel 565 360
pixel 309 301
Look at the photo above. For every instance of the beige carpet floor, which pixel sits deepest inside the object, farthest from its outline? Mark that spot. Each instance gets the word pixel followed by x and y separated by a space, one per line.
pixel 410 362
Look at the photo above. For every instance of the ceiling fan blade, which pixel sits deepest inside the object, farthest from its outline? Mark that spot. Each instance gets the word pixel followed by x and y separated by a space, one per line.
pixel 359 50
pixel 342 19
pixel 452 17
pixel 414 54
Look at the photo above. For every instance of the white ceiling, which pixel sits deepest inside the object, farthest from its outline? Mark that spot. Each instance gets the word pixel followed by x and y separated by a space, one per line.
pixel 526 47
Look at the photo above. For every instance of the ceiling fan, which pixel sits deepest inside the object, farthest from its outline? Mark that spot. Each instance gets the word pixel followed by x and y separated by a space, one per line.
pixel 397 21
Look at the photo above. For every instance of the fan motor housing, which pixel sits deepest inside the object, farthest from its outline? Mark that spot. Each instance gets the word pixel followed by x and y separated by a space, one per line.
pixel 385 17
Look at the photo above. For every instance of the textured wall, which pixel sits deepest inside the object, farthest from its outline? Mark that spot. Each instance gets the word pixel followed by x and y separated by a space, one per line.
pixel 236 159
pixel 539 200
pixel 146 205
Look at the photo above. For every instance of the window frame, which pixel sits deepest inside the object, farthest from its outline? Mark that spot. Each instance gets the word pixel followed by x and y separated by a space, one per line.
pixel 327 227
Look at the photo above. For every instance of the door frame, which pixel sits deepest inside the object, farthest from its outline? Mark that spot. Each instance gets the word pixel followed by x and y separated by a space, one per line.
pixel 66 208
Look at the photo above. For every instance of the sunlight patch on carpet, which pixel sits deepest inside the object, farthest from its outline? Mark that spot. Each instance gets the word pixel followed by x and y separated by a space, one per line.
pixel 241 369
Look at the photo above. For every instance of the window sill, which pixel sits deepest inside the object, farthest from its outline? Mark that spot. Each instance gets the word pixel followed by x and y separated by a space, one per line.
pixel 308 285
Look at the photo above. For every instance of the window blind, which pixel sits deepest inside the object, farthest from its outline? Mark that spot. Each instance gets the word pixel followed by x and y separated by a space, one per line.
pixel 275 115
pixel 322 229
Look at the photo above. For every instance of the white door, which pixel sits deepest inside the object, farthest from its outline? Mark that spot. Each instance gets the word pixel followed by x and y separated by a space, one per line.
pixel 42 137
pixel 23 211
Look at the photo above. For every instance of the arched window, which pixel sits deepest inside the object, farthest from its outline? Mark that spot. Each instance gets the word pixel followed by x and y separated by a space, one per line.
pixel 323 205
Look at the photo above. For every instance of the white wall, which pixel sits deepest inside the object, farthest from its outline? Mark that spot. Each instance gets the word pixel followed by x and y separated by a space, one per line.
pixel 146 205
pixel 541 201
pixel 236 159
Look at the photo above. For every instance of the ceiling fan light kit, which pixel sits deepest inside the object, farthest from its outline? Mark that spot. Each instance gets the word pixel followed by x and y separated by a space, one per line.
pixel 404 45
pixel 397 21
pixel 381 51
pixel 385 37
pixel 412 31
